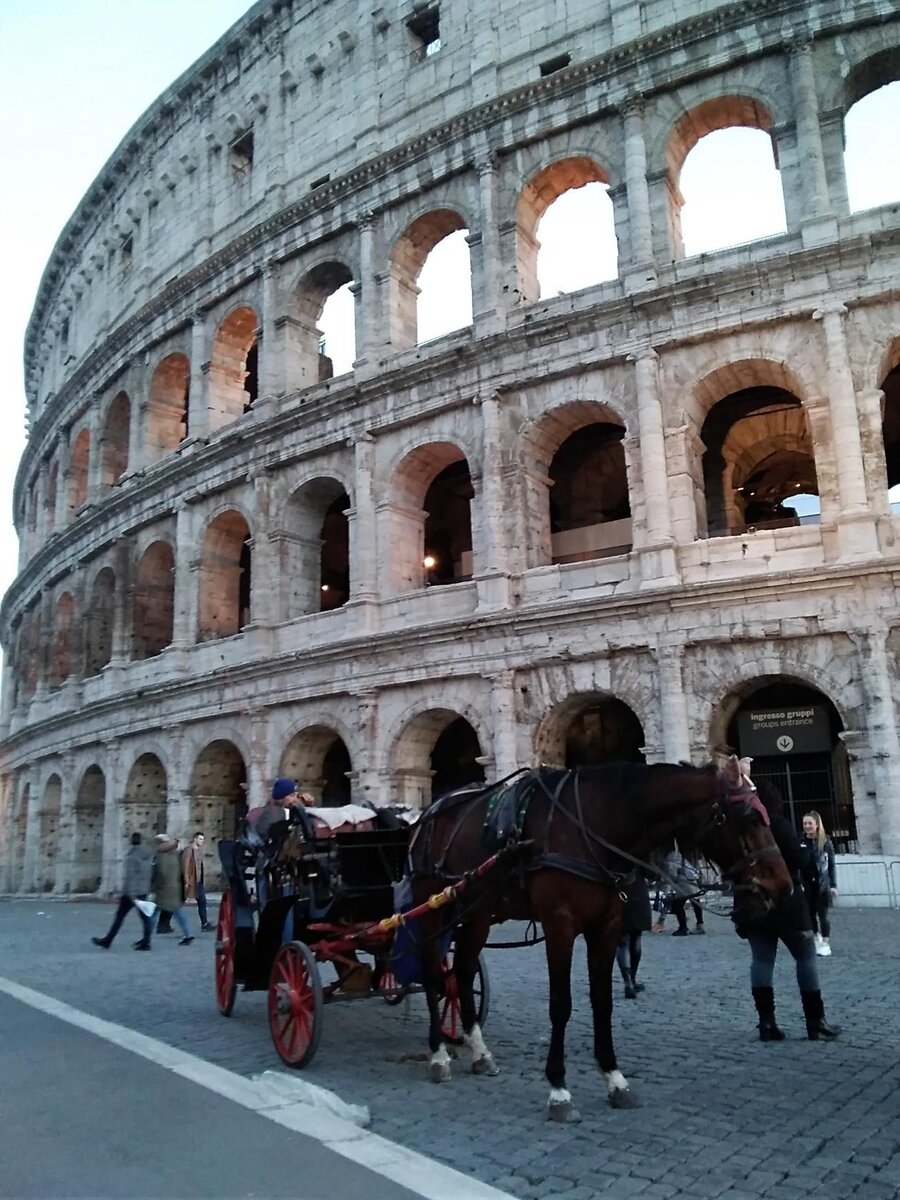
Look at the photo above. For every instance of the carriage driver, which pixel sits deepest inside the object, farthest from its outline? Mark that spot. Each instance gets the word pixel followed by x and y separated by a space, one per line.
pixel 285 795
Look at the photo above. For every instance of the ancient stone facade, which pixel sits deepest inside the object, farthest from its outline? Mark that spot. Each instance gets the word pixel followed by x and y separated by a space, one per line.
pixel 558 534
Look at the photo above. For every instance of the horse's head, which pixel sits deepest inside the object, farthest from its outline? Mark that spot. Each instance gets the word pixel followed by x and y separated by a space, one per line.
pixel 736 836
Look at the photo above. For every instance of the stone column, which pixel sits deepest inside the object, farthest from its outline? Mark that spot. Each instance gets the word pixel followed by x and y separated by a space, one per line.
pixel 640 272
pixel 818 224
pixel 32 835
pixel 363 531
pixel 877 674
pixel 113 849
pixel 504 724
pixel 367 781
pixel 369 333
pixel 658 563
pixel 44 525
pixel 184 631
pixel 62 482
pixel 263 571
pixel 198 400
pixel 124 607
pixel 856 520
pixel 491 561
pixel 65 834
pixel 673 703
pixel 484 245
pixel 95 457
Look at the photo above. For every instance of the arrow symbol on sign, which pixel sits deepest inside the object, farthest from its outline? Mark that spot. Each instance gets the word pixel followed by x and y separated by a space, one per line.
pixel 785 743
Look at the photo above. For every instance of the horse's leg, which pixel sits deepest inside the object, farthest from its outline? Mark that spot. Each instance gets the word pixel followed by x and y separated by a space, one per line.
pixel 560 939
pixel 601 942
pixel 470 940
pixel 432 979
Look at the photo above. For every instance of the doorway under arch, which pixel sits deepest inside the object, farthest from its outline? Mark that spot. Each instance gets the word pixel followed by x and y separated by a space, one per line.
pixel 590 729
pixel 318 758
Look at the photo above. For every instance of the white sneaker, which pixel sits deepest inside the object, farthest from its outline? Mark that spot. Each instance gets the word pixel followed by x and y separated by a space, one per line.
pixel 818 938
pixel 824 950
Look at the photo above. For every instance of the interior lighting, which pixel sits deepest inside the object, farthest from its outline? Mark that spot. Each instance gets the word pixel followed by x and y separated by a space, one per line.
pixel 429 562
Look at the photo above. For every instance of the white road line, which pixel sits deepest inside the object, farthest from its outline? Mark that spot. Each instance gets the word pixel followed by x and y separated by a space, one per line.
pixel 427 1178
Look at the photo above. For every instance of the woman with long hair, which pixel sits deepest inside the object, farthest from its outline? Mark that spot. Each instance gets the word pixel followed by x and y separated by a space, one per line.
pixel 823 884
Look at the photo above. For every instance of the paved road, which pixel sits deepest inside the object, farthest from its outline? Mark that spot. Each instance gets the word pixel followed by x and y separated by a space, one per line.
pixel 723 1118
pixel 82 1118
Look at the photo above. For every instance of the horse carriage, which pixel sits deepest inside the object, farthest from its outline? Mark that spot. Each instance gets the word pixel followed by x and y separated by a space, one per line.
pixel 298 903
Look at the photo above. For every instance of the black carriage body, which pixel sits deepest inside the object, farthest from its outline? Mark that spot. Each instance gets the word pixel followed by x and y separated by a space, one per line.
pixel 280 892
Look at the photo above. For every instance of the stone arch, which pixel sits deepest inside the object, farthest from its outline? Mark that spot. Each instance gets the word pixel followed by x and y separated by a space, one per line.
pixel 98 623
pixel 114 441
pixel 430 517
pixel 145 801
pixel 218 797
pixel 710 116
pixel 225 576
pixel 48 835
pixel 234 367
pixel 168 404
pixel 536 197
pixel 310 351
pixel 314 548
pixel 63 637
pixel 434 753
pixel 871 104
pixel 890 422
pixel 576 480
pixel 29 664
pixel 318 758
pixel 154 601
pixel 408 257
pixel 589 728
pixel 79 471
pixel 89 813
pixel 792 731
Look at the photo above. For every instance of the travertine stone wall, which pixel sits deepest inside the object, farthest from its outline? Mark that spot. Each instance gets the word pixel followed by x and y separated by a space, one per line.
pixel 166 652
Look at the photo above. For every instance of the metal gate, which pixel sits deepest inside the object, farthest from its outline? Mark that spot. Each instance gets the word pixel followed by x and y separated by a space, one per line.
pixel 806 781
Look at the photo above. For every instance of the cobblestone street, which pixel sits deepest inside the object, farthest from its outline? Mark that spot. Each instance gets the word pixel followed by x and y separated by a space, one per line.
pixel 723 1117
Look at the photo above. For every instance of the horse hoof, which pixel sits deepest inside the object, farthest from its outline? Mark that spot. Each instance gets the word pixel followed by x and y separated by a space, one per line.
pixel 440 1072
pixel 623 1098
pixel 485 1066
pixel 564 1113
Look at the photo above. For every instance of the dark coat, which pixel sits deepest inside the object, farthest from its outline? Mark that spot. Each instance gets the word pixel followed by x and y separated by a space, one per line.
pixel 636 915
pixel 823 876
pixel 168 885
pixel 791 913
pixel 138 868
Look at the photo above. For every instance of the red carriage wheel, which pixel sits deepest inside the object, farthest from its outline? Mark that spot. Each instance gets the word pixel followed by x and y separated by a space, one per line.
pixel 388 984
pixel 451 1019
pixel 226 984
pixel 295 1004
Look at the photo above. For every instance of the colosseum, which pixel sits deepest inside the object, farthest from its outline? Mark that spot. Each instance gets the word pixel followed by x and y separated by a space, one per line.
pixel 565 532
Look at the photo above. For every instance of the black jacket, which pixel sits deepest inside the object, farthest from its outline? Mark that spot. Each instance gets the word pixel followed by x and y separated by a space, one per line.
pixel 636 915
pixel 791 913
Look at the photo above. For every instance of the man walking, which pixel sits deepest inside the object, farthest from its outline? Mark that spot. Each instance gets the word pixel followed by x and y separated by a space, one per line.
pixel 194 877
pixel 135 886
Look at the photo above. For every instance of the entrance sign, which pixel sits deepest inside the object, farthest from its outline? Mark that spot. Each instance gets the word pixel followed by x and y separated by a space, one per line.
pixel 775 732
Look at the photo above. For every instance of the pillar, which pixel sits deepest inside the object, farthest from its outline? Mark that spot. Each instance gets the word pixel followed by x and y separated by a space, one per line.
pixel 504 724
pixel 640 272
pixel 658 562
pixel 263 567
pixel 856 520
pixel 673 703
pixel 201 351
pixel 95 456
pixel 877 674
pixel 491 561
pixel 65 834
pixel 113 850
pixel 818 223
pixel 363 535
pixel 484 245
pixel 368 781
pixel 184 625
pixel 366 297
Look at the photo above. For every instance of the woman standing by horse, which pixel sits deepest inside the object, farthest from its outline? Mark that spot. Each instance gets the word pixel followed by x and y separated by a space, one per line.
pixel 787 921
pixel 580 836
pixel 823 882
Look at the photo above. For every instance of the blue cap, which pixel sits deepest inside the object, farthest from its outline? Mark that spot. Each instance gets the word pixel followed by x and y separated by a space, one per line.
pixel 283 787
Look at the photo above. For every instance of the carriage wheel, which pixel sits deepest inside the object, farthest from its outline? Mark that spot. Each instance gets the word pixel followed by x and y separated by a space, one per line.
pixel 226 984
pixel 295 1004
pixel 451 1021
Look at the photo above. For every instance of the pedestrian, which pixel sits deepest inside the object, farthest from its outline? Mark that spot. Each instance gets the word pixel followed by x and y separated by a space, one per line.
pixel 686 876
pixel 787 921
pixel 168 885
pixel 636 919
pixel 194 876
pixel 136 878
pixel 284 793
pixel 823 879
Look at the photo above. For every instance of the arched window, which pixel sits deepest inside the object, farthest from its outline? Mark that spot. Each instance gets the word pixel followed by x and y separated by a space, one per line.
pixel 167 421
pixel 724 184
pixel 79 465
pixel 324 341
pixel 115 441
pixel 225 577
pixel 154 601
pixel 430 518
pixel 565 230
pixel 428 300
pixel 63 632
pixel 871 163
pixel 98 631
pixel 234 368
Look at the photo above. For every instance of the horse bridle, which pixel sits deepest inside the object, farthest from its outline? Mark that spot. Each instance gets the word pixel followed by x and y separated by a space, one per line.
pixel 720 815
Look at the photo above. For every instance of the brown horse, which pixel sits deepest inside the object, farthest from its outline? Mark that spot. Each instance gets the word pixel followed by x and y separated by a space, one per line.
pixel 580 834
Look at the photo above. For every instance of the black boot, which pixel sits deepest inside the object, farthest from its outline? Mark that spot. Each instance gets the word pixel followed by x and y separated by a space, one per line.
pixel 764 999
pixel 817 1028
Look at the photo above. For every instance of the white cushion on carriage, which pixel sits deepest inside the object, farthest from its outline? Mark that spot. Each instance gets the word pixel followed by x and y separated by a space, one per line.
pixel 347 814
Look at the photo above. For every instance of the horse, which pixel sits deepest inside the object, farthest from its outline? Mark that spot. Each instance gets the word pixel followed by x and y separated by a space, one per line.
pixel 580 839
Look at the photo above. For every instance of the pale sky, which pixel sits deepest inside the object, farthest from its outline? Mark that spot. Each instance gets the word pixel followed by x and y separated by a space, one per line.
pixel 76 74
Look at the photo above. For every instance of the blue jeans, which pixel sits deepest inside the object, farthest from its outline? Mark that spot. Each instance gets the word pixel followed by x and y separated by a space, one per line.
pixel 764 947
pixel 182 924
